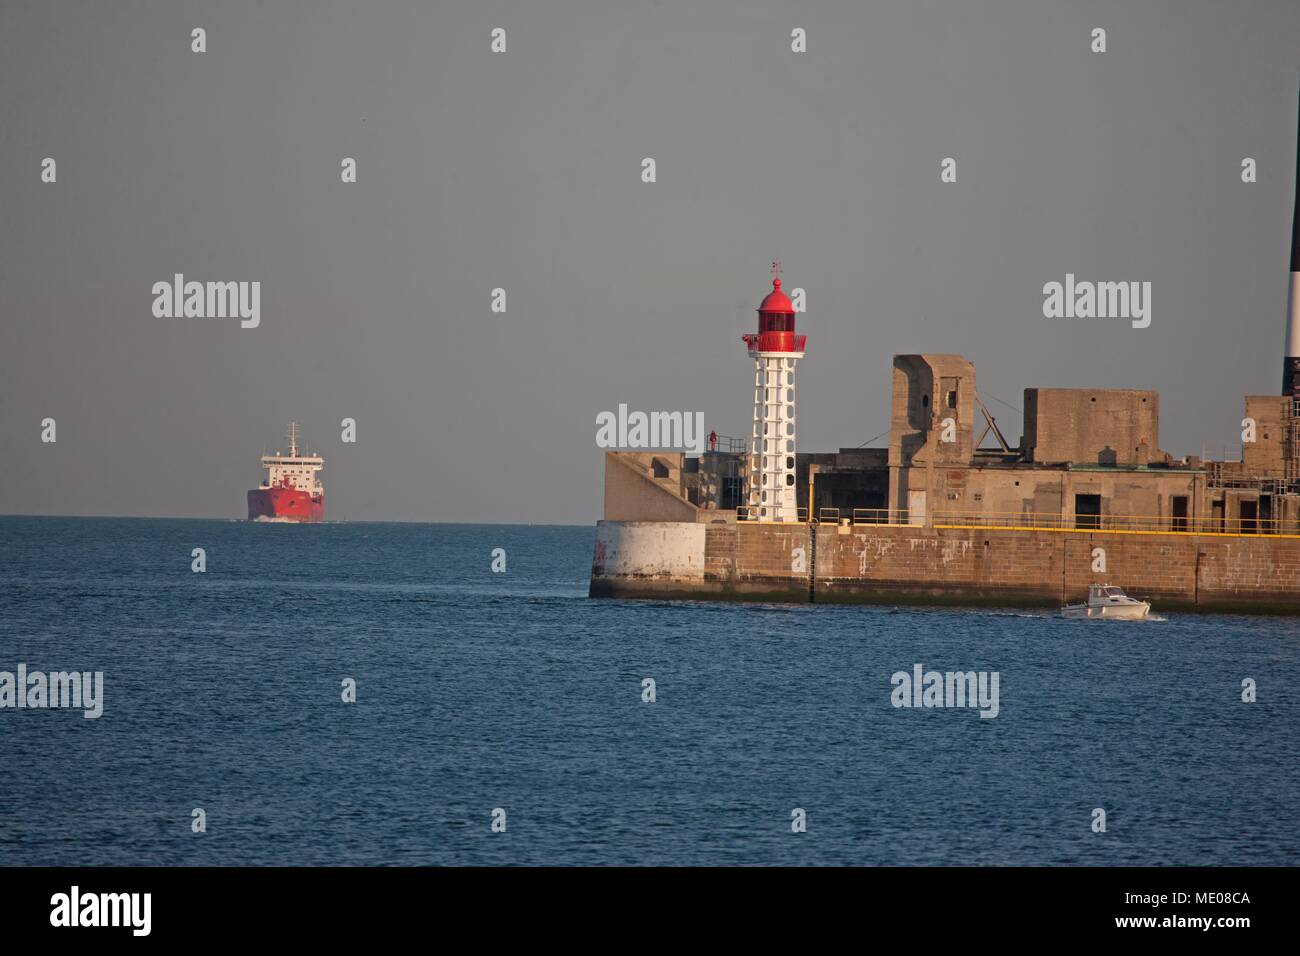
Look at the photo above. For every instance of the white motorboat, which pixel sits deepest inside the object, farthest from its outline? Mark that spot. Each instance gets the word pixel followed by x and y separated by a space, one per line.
pixel 1110 602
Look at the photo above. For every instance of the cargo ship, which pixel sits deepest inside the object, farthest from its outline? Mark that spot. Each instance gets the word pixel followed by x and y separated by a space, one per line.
pixel 291 491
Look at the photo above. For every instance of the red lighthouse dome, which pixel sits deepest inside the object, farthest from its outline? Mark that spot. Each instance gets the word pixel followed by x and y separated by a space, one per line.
pixel 777 301
pixel 775 323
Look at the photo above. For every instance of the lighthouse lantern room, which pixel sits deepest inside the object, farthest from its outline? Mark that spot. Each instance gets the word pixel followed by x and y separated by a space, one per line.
pixel 770 492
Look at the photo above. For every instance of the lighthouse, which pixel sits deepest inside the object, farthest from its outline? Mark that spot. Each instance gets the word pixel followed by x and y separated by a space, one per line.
pixel 770 492
pixel 1291 365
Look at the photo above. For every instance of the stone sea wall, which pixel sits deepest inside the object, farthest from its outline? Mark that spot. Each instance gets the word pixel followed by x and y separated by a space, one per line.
pixel 905 564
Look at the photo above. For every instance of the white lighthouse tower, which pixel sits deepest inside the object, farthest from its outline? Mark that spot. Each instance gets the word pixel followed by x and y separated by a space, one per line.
pixel 770 492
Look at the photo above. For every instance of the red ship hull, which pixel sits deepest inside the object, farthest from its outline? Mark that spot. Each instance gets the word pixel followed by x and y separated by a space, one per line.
pixel 284 504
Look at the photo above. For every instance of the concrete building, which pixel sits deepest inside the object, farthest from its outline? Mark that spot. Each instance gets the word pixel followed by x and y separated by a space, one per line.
pixel 949 511
pixel 1087 458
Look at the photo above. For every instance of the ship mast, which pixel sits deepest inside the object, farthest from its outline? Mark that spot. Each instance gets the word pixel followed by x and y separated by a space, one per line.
pixel 293 439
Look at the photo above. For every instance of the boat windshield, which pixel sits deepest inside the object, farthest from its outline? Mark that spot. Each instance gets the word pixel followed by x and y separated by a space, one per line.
pixel 1113 592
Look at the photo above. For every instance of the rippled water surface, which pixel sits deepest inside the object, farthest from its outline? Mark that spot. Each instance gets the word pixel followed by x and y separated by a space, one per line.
pixel 478 690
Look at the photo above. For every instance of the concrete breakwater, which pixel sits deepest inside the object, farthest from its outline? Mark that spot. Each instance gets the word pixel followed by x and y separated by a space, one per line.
pixel 901 564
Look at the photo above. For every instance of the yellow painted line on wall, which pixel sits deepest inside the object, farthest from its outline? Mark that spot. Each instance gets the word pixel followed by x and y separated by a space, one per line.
pixel 1186 534
pixel 867 525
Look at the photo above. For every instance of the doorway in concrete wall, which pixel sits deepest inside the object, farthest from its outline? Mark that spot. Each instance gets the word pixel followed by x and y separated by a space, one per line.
pixel 1087 511
pixel 1178 512
pixel 1249 516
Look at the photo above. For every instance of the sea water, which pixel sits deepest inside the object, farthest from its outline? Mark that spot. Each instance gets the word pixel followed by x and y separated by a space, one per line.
pixel 510 696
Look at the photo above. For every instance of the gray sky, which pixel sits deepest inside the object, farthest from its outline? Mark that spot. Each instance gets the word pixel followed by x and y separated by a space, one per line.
pixel 522 170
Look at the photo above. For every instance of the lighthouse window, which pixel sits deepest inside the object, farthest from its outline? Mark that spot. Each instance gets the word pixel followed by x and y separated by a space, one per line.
pixel 789 479
pixel 952 398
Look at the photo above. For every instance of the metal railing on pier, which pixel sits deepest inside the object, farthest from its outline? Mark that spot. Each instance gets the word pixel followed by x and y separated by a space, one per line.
pixel 1119 524
pixel 744 513
pixel 1028 521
